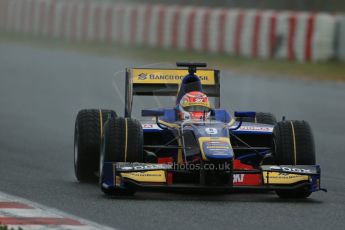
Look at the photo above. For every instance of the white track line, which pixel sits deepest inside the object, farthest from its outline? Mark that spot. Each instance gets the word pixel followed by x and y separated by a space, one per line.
pixel 51 227
pixel 14 212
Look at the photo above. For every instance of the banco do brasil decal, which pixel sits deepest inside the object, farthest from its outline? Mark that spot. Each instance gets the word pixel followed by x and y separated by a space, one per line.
pixel 151 76
pixel 166 77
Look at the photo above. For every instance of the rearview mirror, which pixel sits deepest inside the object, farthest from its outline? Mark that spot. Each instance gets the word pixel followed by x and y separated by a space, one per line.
pixel 152 112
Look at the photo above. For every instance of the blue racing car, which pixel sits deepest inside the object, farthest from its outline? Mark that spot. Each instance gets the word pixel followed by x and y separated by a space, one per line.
pixel 192 145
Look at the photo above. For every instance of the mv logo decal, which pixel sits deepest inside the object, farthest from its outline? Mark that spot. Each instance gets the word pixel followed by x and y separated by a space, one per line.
pixel 238 178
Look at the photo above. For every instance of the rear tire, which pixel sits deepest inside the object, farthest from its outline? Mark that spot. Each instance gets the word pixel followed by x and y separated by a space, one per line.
pixel 122 142
pixel 266 118
pixel 87 139
pixel 294 145
pixel 260 117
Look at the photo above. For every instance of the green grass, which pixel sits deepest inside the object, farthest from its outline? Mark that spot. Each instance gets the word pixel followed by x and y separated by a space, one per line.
pixel 331 70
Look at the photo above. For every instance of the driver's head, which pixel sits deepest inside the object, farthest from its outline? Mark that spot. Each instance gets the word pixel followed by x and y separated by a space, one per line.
pixel 194 105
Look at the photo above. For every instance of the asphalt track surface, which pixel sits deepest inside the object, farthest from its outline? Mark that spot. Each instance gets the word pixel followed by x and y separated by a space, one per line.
pixel 41 92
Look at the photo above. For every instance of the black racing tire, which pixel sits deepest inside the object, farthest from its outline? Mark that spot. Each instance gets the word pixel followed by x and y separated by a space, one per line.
pixel 122 142
pixel 87 140
pixel 260 117
pixel 266 118
pixel 294 145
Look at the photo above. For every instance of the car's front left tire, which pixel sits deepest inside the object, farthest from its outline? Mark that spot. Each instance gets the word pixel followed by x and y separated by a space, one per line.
pixel 294 145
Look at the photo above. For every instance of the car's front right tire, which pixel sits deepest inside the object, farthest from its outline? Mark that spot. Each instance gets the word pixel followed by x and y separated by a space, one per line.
pixel 122 141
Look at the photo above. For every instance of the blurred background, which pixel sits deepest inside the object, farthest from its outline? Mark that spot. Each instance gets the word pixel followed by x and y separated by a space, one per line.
pixel 300 5
pixel 57 57
pixel 304 31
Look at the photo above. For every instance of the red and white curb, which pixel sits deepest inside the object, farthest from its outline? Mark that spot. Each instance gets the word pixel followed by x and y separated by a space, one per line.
pixel 17 212
pixel 300 36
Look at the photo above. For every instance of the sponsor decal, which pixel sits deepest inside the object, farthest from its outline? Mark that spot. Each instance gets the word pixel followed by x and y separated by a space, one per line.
pixel 217 147
pixel 247 179
pixel 217 152
pixel 220 148
pixel 214 146
pixel 283 178
pixel 238 178
pixel 142 76
pixel 140 167
pixel 288 169
pixel 145 174
pixel 213 142
pixel 150 126
pixel 166 77
pixel 151 176
pixel 256 128
pixel 211 131
pixel 126 168
pixel 198 100
pixel 169 76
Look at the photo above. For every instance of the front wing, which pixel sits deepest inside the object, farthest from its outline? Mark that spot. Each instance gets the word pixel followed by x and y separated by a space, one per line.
pixel 267 177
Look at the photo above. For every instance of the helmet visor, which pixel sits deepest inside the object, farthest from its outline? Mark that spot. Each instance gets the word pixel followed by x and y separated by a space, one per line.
pixel 197 108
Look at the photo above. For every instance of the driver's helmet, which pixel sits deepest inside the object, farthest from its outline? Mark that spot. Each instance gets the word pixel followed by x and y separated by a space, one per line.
pixel 194 106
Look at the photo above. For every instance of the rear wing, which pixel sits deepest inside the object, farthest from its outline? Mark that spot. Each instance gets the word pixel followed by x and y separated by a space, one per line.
pixel 166 82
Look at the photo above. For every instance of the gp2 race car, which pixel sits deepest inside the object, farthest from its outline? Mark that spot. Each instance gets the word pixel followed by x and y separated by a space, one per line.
pixel 243 151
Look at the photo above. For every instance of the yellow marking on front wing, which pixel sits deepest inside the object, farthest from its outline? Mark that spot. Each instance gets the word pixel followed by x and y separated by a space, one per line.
pixel 148 176
pixel 283 178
